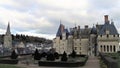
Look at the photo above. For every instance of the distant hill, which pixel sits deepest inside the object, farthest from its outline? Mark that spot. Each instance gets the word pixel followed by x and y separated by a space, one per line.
pixel 27 39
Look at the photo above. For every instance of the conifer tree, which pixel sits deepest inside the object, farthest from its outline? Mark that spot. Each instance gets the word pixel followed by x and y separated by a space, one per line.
pixel 14 55
pixel 64 57
pixel 37 55
pixel 73 54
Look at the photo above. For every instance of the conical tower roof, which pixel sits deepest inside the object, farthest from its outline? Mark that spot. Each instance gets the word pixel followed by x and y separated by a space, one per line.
pixel 8 29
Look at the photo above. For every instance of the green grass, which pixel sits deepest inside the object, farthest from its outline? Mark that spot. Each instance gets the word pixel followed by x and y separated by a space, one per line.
pixel 8 66
pixel 102 65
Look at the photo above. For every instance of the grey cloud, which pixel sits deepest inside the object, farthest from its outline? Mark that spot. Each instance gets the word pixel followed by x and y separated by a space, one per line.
pixel 104 4
pixel 33 11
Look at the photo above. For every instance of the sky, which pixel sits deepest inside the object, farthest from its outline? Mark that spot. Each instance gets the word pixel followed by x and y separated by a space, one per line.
pixel 42 17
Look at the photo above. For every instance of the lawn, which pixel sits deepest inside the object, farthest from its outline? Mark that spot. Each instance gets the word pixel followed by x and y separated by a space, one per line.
pixel 8 66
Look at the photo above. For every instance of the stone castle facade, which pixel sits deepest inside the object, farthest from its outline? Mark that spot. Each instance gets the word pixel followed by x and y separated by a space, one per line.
pixel 89 41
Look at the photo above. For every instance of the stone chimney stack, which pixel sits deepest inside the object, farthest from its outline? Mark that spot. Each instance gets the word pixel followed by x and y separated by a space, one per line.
pixel 106 18
pixel 78 27
pixel 86 26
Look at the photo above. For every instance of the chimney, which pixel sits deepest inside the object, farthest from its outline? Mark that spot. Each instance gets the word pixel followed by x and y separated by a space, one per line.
pixel 75 27
pixel 106 18
pixel 86 26
pixel 78 27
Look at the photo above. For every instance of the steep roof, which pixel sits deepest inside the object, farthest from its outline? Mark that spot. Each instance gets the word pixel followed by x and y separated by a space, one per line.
pixel 59 33
pixel 8 29
pixel 107 26
pixel 62 29
pixel 93 30
pixel 85 33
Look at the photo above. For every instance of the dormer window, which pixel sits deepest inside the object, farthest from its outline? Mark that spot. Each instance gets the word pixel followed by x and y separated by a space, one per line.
pixel 113 35
pixel 100 35
pixel 107 35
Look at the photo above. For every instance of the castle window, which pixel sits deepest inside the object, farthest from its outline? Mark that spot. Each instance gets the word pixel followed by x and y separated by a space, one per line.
pixel 107 48
pixel 60 37
pixel 101 48
pixel 118 35
pixel 80 43
pixel 104 48
pixel 100 35
pixel 107 35
pixel 75 48
pixel 111 48
pixel 114 48
pixel 113 35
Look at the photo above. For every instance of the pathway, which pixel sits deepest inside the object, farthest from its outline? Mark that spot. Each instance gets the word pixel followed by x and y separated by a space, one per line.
pixel 92 62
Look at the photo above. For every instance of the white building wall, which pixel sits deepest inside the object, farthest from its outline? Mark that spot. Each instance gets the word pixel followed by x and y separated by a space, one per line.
pixel 70 44
pixel 110 42
pixel 56 44
pixel 77 46
pixel 8 41
pixel 84 46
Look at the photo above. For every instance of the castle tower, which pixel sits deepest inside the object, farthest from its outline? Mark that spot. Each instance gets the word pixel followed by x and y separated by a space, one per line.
pixel 8 38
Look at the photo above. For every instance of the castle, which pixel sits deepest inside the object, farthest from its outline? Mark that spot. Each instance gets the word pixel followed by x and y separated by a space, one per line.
pixel 89 41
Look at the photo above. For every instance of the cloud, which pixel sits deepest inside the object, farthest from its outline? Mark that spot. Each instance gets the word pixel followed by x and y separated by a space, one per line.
pixel 104 4
pixel 42 17
pixel 65 4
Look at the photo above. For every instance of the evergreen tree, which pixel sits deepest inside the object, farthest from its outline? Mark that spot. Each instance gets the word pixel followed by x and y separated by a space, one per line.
pixel 44 54
pixel 50 57
pixel 37 55
pixel 56 55
pixel 73 54
pixel 14 55
pixel 64 57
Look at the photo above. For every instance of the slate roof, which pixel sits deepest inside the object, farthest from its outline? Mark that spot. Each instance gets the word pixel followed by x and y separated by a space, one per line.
pixel 111 27
pixel 93 30
pixel 59 32
pixel 85 33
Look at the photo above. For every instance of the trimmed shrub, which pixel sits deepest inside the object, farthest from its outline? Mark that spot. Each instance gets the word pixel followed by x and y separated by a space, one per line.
pixel 56 55
pixel 14 55
pixel 37 55
pixel 43 54
pixel 50 57
pixel 73 54
pixel 64 57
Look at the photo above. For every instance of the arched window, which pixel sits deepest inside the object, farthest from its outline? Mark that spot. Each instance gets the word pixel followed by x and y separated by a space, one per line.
pixel 107 48
pixel 101 48
pixel 114 48
pixel 110 48
pixel 104 48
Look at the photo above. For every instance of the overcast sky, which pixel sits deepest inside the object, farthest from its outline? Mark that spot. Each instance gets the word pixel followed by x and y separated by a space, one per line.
pixel 42 17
